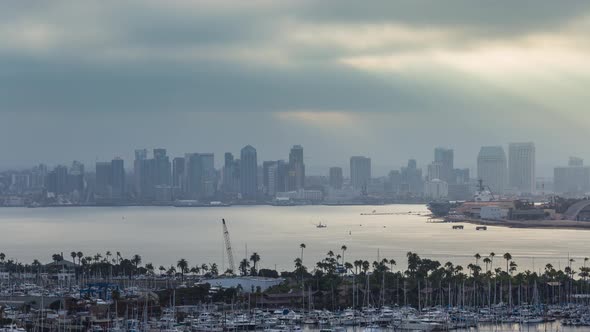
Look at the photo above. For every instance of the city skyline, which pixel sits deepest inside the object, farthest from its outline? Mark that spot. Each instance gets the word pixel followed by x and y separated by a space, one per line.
pixel 388 81
pixel 541 169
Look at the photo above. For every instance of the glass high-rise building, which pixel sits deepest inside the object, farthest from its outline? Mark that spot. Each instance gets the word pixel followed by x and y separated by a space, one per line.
pixel 248 172
pixel 296 168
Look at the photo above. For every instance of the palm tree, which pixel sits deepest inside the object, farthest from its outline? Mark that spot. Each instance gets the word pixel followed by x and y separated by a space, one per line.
pixel 119 258
pixel 196 269
pixel 255 258
pixel 343 248
pixel 302 246
pixel 73 254
pixel 204 268
pixel 182 264
pixel 150 268
pixel 492 255
pixel 79 254
pixel 392 263
pixel 214 269
pixel 366 265
pixel 507 257
pixel 136 260
pixel 357 265
pixel 2 257
pixel 487 261
pixel 244 265
pixel 162 269
pixel 348 267
pixel 477 258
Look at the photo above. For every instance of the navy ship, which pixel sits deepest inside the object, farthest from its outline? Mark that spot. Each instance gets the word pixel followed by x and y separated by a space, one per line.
pixel 440 208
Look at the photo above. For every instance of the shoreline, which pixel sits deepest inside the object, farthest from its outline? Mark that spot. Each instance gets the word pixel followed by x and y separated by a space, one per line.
pixel 536 224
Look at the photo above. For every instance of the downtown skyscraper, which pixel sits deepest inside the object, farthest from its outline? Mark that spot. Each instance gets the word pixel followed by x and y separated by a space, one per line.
pixel 360 172
pixel 491 168
pixel 296 179
pixel 521 167
pixel 248 172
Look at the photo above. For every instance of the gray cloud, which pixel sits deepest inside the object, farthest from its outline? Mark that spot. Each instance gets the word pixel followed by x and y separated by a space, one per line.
pixel 140 69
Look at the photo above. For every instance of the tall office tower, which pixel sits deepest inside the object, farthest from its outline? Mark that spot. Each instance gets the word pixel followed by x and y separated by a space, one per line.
pixel 445 157
pixel 208 176
pixel 229 168
pixel 117 178
pixel 140 156
pixel 435 171
pixel 76 177
pixel 411 181
pixel 192 175
pixel 38 176
pixel 162 171
pixel 271 176
pixel 336 177
pixel 521 166
pixel 102 183
pixel 248 172
pixel 573 180
pixel 360 172
pixel 282 180
pixel 492 168
pixel 177 171
pixel 266 176
pixel 296 168
pixel 57 180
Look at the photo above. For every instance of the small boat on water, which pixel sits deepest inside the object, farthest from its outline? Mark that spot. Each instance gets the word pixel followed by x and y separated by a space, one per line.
pixel 320 225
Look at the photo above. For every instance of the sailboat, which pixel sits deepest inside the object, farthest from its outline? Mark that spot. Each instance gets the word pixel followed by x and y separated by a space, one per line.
pixel 320 225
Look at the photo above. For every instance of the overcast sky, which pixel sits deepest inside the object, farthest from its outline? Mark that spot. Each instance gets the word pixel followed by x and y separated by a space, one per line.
pixel 91 80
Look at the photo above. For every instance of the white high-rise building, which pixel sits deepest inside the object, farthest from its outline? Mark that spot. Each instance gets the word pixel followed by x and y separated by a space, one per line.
pixel 521 167
pixel 491 168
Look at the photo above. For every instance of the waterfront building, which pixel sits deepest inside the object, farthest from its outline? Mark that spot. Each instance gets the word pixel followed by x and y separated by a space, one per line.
pixel 336 178
pixel 57 180
pixel 445 159
pixel 521 167
pixel 360 171
pixel 572 180
pixel 248 172
pixel 491 168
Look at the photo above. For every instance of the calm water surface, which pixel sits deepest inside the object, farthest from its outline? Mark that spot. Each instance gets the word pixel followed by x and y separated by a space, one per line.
pixel 162 235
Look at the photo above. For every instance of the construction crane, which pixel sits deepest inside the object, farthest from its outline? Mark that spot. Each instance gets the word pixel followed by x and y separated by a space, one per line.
pixel 230 253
